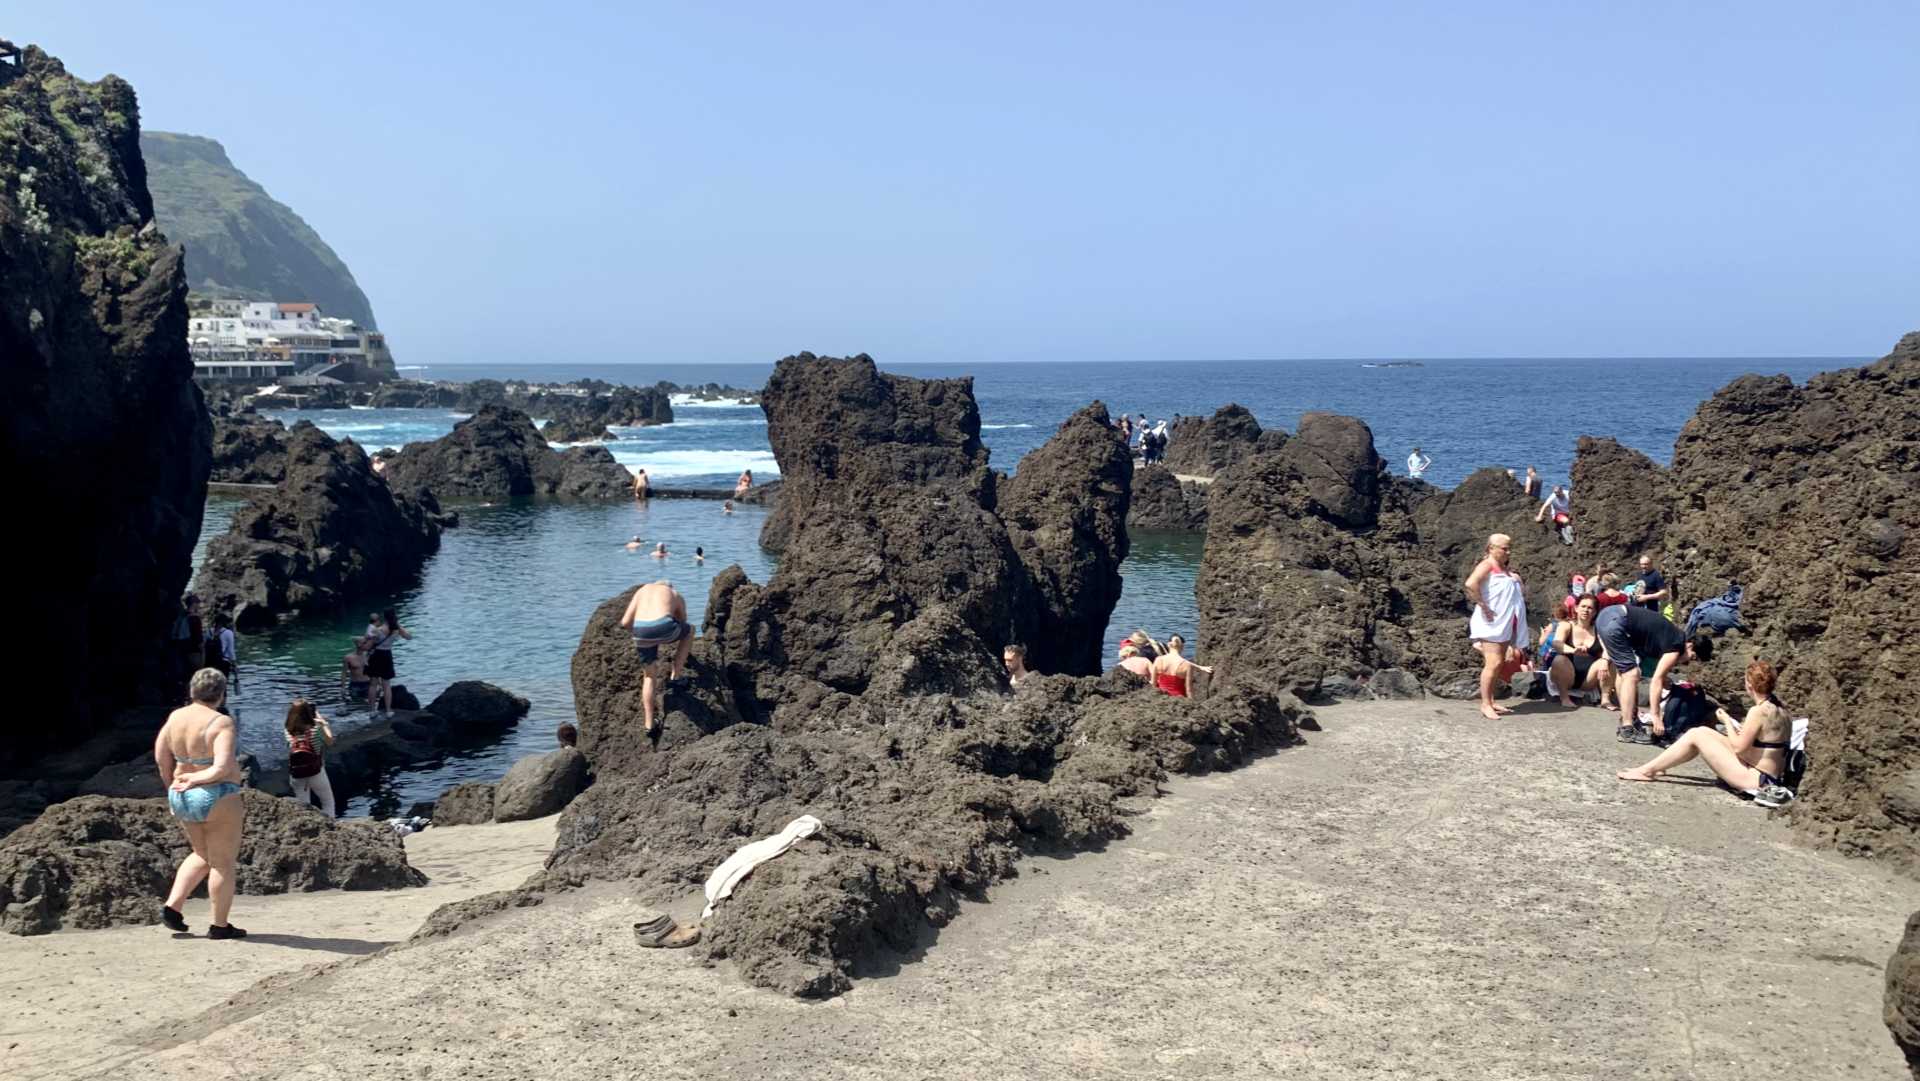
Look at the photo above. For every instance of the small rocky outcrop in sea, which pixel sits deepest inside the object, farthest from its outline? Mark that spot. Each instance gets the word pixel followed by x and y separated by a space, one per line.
pixel 574 430
pixel 98 862
pixel 498 453
pixel 1164 503
pixel 105 437
pixel 1901 1006
pixel 861 684
pixel 249 449
pixel 332 532
pixel 412 394
pixel 1203 446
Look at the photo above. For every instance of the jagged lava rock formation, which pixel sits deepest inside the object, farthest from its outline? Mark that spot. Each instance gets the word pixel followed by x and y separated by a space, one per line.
pixel 1203 446
pixel 96 861
pixel 330 533
pixel 249 449
pixel 103 422
pixel 861 684
pixel 498 453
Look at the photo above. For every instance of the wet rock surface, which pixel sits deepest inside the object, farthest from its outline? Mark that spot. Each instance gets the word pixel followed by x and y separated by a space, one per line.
pixel 475 704
pixel 249 449
pixel 102 420
pixel 861 684
pixel 96 861
pixel 331 533
pixel 498 453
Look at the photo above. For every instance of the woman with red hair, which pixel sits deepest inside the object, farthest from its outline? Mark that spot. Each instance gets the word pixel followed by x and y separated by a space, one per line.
pixel 1753 758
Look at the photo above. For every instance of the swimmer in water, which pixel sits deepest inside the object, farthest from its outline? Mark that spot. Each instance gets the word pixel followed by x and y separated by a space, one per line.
pixel 634 544
pixel 660 550
pixel 700 556
pixel 726 507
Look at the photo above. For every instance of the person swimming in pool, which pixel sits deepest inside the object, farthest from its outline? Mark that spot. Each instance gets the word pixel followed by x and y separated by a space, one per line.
pixel 635 544
pixel 700 556
pixel 195 754
pixel 659 550
pixel 657 617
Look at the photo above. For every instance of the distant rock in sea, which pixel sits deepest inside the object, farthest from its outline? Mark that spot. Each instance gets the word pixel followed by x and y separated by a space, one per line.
pixel 498 453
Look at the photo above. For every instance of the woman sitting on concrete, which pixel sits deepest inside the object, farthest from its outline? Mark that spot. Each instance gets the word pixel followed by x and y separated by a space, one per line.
pixel 1753 758
pixel 1576 653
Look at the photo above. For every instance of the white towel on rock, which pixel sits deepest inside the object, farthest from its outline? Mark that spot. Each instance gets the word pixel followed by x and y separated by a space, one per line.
pixel 725 877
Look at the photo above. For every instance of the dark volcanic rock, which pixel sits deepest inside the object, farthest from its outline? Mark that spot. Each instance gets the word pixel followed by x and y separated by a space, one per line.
pixel 850 430
pixel 573 430
pixel 249 449
pixel 1066 510
pixel 1203 446
pixel 469 804
pixel 1622 504
pixel 861 684
pixel 497 453
pixel 104 429
pixel 96 862
pixel 333 532
pixel 474 704
pixel 1161 502
pixel 540 785
pixel 1902 1002
pixel 1804 495
pixel 407 394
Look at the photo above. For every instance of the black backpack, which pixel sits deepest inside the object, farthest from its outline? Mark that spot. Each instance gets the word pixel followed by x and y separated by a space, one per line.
pixel 1686 707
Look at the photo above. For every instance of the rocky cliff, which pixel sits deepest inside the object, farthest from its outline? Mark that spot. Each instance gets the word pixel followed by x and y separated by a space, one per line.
pixel 249 449
pixel 106 437
pixel 861 684
pixel 240 241
pixel 1901 1006
pixel 332 532
pixel 498 453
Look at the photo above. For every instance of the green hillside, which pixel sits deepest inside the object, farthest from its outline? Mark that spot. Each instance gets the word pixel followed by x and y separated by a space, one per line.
pixel 240 241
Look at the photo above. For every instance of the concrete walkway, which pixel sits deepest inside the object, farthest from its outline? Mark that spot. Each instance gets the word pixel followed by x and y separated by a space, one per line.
pixel 1416 894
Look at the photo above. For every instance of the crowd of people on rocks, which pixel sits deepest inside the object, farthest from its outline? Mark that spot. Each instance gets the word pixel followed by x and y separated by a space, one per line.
pixel 1149 440
pixel 1605 637
pixel 1164 666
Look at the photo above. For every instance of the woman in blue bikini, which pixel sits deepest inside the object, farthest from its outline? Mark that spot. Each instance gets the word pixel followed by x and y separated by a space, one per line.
pixel 195 753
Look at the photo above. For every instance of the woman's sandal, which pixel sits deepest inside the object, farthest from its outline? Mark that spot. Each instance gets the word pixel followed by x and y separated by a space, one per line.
pixel 663 933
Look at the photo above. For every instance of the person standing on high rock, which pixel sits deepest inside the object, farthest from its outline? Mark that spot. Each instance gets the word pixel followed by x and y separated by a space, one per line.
pixel 1418 464
pixel 1653 590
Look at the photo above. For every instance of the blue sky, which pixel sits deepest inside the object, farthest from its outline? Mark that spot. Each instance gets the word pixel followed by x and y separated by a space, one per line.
pixel 1111 181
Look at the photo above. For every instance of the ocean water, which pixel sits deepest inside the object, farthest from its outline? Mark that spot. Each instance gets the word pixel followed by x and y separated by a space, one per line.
pixel 1464 413
pixel 506 597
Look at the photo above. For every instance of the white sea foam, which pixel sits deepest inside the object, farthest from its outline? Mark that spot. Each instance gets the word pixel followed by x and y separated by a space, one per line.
pixel 360 407
pixel 688 401
pixel 997 427
pixel 661 464
pixel 703 422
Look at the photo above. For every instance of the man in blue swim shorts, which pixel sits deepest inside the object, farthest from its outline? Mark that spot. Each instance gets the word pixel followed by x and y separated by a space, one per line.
pixel 657 617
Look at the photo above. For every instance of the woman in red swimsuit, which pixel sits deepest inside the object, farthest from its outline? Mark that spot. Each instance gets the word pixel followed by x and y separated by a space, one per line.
pixel 1172 672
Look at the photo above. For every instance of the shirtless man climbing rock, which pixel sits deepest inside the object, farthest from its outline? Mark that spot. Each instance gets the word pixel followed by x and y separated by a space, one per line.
pixel 657 617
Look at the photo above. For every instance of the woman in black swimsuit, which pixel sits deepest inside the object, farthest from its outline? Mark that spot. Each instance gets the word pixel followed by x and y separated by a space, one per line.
pixel 1576 652
pixel 1753 758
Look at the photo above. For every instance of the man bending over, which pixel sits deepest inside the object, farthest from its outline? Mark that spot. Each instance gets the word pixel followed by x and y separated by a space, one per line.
pixel 1633 635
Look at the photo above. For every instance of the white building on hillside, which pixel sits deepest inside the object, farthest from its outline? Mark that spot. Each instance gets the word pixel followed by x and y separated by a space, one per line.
pixel 238 340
